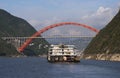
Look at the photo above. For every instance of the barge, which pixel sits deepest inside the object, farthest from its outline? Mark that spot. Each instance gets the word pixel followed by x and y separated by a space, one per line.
pixel 63 53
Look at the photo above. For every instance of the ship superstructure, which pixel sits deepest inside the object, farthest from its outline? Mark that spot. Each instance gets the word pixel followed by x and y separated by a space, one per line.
pixel 62 53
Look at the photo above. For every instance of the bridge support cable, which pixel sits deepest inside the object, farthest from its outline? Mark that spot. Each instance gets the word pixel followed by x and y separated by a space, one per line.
pixel 53 26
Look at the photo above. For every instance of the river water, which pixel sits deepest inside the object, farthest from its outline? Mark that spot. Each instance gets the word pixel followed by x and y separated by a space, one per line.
pixel 37 67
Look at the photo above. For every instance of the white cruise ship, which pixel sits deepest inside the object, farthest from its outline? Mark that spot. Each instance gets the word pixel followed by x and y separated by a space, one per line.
pixel 63 53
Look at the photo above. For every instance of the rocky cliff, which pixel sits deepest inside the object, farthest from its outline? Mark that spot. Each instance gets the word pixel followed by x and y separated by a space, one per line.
pixel 106 45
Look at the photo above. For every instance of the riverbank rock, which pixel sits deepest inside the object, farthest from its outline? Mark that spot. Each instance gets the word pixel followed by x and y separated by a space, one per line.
pixel 110 57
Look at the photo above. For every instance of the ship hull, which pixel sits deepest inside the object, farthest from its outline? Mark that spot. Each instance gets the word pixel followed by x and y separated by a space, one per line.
pixel 63 59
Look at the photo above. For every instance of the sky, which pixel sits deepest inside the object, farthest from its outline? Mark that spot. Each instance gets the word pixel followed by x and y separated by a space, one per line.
pixel 41 13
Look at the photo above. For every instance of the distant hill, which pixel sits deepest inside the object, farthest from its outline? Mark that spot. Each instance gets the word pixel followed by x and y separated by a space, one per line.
pixel 108 39
pixel 14 26
pixel 80 43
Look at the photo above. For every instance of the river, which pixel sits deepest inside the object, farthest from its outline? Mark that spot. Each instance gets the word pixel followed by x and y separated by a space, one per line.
pixel 38 67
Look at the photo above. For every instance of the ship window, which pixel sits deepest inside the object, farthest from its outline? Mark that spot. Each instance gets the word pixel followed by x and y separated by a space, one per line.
pixel 50 49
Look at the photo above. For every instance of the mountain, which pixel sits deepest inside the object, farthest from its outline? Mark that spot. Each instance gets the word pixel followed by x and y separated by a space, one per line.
pixel 107 41
pixel 12 26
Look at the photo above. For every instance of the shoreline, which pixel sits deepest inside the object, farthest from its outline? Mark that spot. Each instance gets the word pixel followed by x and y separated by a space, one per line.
pixel 17 56
pixel 108 57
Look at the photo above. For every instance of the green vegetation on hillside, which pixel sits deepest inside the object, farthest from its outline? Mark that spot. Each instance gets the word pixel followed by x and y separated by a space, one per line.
pixel 11 26
pixel 108 39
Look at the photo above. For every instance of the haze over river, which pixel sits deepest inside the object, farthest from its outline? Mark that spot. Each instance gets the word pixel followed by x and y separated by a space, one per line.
pixel 38 67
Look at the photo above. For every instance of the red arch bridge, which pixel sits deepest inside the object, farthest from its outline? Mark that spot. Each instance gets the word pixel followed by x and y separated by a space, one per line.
pixel 22 42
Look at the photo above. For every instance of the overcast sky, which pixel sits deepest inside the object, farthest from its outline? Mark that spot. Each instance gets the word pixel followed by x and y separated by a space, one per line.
pixel 41 13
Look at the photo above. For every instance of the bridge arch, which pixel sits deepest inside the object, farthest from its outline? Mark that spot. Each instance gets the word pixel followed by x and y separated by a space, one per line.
pixel 28 41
